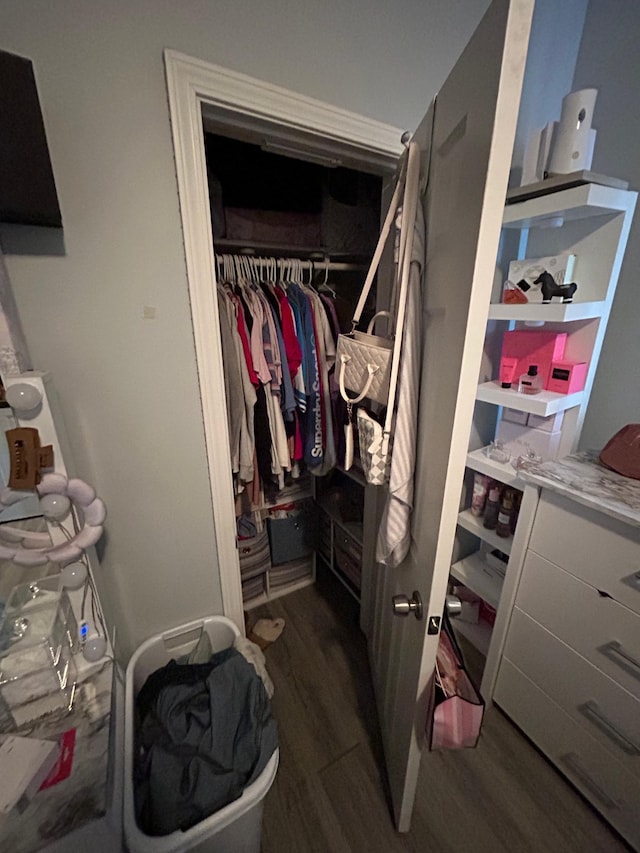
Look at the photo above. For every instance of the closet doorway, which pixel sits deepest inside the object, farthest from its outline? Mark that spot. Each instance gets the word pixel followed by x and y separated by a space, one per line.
pixel 204 100
pixel 465 142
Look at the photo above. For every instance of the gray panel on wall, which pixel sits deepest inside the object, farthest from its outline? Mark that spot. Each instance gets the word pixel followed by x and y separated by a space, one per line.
pixel 609 61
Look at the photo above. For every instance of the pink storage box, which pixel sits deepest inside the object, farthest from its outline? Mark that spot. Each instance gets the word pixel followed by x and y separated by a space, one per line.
pixel 540 348
pixel 567 377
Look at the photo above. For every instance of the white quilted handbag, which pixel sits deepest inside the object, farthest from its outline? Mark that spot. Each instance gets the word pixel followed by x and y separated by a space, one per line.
pixel 365 363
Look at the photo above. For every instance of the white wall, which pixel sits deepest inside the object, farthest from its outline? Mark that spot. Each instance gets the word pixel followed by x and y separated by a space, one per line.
pixel 128 385
pixel 556 31
pixel 609 60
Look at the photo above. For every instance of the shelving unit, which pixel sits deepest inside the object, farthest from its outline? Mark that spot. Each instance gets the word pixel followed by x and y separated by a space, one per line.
pixel 342 538
pixel 265 582
pixel 504 472
pixel 591 221
pixel 473 524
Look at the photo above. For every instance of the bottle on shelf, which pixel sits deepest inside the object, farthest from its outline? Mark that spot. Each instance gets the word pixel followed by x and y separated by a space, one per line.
pixel 503 525
pixel 479 496
pixel 530 382
pixel 493 507
pixel 517 499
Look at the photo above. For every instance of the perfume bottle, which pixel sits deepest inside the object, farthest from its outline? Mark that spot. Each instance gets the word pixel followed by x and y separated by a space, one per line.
pixel 479 496
pixel 504 515
pixel 492 507
pixel 530 382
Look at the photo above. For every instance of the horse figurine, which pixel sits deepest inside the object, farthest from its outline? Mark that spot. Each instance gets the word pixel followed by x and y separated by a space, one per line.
pixel 551 288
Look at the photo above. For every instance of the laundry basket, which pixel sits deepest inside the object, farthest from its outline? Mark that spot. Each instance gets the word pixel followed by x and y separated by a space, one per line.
pixel 236 828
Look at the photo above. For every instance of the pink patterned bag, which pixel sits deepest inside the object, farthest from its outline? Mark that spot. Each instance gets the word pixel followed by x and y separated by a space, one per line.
pixel 457 706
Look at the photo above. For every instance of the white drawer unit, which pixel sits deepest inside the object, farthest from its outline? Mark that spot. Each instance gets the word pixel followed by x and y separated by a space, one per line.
pixel 603 780
pixel 609 713
pixel 597 627
pixel 597 549
pixel 569 675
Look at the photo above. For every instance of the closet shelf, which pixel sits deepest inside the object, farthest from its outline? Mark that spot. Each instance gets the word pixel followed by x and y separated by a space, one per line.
pixel 480 578
pixel 545 403
pixel 337 261
pixel 264 597
pixel 504 472
pixel 299 490
pixel 354 473
pixel 353 528
pixel 473 524
pixel 555 312
pixel 478 634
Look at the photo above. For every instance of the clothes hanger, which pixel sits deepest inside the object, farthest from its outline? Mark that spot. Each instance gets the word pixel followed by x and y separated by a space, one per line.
pixel 324 287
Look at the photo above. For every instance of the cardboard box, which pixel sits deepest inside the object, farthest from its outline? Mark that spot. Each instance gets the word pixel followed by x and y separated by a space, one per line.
pixel 515 416
pixel 551 424
pixel 520 440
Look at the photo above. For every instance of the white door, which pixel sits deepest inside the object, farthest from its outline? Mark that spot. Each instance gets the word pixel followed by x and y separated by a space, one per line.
pixel 466 140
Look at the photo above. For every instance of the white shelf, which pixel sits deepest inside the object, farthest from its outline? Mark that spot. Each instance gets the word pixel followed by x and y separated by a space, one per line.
pixel 474 525
pixel 285 589
pixel 545 403
pixel 479 635
pixel 554 312
pixel 583 202
pixel 477 576
pixel 504 472
pixel 354 473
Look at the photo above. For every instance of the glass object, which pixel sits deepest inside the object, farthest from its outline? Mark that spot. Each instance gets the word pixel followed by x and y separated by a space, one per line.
pixel 496 451
pixel 530 382
pixel 38 635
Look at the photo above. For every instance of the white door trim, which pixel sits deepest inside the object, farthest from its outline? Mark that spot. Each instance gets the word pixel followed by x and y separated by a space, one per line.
pixel 192 84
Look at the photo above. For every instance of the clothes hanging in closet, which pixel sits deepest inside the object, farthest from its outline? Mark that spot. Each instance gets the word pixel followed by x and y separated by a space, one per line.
pixel 278 343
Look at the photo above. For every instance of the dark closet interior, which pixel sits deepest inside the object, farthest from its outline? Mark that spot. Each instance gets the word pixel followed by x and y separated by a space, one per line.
pixel 266 206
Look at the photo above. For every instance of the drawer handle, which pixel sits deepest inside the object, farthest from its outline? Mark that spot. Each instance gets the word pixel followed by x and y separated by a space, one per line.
pixel 616 652
pixel 572 762
pixel 593 713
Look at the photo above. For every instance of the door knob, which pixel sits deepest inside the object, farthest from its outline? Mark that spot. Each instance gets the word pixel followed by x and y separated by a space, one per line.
pixel 452 605
pixel 403 605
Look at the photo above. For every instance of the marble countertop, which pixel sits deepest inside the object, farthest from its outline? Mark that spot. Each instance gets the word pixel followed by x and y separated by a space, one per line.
pixel 582 478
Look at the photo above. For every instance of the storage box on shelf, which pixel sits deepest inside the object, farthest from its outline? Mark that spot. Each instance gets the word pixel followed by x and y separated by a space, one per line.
pixel 279 559
pixel 591 222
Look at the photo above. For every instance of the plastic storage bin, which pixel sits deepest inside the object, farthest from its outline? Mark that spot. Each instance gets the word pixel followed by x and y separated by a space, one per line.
pixel 236 828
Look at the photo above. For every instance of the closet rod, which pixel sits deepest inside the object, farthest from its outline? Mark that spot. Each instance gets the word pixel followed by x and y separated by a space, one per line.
pixel 319 265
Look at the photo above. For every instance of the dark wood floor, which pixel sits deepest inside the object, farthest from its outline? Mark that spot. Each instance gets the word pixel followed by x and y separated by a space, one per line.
pixel 330 793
